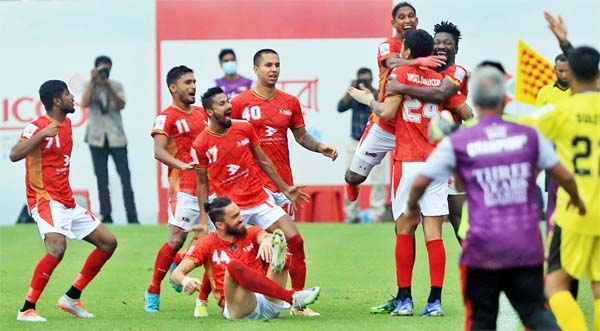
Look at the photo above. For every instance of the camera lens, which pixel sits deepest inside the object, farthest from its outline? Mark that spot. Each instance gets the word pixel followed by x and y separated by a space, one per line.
pixel 103 73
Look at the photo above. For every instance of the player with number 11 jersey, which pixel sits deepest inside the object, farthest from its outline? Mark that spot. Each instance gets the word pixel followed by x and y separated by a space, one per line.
pixel 181 127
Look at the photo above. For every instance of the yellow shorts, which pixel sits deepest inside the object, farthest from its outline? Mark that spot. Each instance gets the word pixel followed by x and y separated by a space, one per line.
pixel 574 252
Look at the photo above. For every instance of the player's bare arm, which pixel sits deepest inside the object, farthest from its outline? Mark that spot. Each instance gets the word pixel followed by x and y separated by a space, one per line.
pixel 291 192
pixel 438 94
pixel 202 199
pixel 161 154
pixel 22 148
pixel 565 179
pixel 386 110
pixel 190 284
pixel 432 61
pixel 309 142
pixel 465 112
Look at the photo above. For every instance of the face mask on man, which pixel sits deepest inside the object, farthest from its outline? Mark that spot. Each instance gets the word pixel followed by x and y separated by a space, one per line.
pixel 230 67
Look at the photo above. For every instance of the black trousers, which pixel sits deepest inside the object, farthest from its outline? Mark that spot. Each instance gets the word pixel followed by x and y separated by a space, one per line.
pixel 524 288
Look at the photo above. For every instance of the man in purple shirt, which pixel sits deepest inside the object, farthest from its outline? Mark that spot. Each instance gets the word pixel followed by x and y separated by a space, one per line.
pixel 232 83
pixel 496 161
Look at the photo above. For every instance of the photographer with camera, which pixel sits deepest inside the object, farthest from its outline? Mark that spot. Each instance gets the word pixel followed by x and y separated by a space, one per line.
pixel 104 99
pixel 360 116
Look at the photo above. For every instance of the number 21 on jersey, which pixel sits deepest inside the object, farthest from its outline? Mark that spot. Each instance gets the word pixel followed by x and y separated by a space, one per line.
pixel 584 149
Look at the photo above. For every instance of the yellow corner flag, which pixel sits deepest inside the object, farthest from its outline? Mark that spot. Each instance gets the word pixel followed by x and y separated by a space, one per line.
pixel 533 73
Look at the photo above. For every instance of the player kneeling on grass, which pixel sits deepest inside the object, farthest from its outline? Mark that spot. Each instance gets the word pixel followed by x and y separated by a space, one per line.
pixel 246 265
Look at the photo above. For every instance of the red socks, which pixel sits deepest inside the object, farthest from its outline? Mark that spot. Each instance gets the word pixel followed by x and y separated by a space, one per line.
pixel 178 257
pixel 91 268
pixel 205 288
pixel 405 259
pixel 163 261
pixel 257 282
pixel 41 276
pixel 437 262
pixel 297 268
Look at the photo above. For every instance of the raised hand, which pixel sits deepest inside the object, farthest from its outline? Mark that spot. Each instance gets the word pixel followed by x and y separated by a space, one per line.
pixel 432 61
pixel 557 26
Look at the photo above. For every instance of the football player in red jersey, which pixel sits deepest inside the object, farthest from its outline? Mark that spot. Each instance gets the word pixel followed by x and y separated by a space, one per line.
pixel 412 149
pixel 230 159
pixel 378 138
pixel 233 256
pixel 46 144
pixel 174 131
pixel 445 40
pixel 272 112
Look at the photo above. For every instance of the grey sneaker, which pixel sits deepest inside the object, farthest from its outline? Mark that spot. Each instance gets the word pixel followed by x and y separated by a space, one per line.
pixel 279 246
pixel 74 307
pixel 301 299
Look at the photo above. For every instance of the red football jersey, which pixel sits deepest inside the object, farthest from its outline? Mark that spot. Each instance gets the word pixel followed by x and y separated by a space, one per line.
pixel 271 118
pixel 391 47
pixel 181 127
pixel 413 116
pixel 215 254
pixel 459 76
pixel 231 168
pixel 47 167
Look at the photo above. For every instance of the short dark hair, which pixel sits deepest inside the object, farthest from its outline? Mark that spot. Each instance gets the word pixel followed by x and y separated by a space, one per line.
pixel 583 63
pixel 449 28
pixel 207 97
pixel 419 41
pixel 494 64
pixel 51 90
pixel 560 57
pixel 364 71
pixel 224 52
pixel 258 55
pixel 400 5
pixel 102 59
pixel 176 72
pixel 215 209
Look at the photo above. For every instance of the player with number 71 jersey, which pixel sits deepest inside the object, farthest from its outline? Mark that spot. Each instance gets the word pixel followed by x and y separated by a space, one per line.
pixel 47 169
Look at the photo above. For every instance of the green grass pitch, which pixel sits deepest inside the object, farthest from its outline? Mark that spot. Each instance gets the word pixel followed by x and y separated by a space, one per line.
pixel 353 264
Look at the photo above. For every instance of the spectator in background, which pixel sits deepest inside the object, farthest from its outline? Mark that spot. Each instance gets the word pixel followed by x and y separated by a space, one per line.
pixel 360 116
pixel 232 83
pixel 105 99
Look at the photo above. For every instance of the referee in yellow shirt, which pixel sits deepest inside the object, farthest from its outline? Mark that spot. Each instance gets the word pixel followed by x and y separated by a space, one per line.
pixel 560 89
